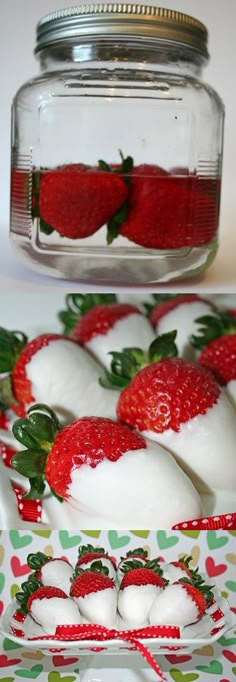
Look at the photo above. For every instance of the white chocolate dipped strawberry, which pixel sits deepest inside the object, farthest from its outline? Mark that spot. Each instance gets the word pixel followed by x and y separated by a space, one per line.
pixel 112 326
pixel 175 570
pixel 139 587
pixel 54 572
pixel 181 603
pixel 139 553
pixel 106 468
pixel 180 312
pixel 49 606
pixel 55 368
pixel 88 554
pixel 181 406
pixel 95 594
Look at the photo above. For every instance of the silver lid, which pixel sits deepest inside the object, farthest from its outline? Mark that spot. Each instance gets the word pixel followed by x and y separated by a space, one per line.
pixel 123 20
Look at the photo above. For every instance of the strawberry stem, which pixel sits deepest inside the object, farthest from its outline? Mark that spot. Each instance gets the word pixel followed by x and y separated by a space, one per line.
pixel 11 345
pixel 37 560
pixel 126 364
pixel 37 432
pixel 213 326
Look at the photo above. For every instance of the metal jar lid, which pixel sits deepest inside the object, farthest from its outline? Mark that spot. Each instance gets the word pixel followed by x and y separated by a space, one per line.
pixel 124 20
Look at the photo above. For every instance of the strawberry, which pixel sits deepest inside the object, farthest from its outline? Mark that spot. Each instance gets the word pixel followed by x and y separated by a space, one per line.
pixel 79 304
pixel 176 570
pixel 180 405
pixel 181 603
pixel 91 463
pixel 48 606
pixel 112 326
pixel 167 211
pixel 76 201
pixel 53 366
pixel 166 394
pixel 53 572
pixel 88 554
pixel 139 587
pixel 95 594
pixel 180 312
pixel 4 420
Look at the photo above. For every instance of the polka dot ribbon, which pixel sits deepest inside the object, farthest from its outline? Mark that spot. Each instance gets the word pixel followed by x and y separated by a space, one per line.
pixel 223 521
pixel 99 632
pixel 29 510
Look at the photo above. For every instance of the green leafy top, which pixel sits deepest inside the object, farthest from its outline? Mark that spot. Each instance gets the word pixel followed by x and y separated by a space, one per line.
pixel 11 345
pixel 213 326
pixel 37 432
pixel 205 589
pixel 28 587
pixel 37 560
pixel 78 304
pixel 88 549
pixel 153 565
pixel 139 551
pixel 95 566
pixel 129 361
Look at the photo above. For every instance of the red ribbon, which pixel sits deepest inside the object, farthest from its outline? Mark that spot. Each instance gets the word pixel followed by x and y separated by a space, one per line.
pixel 99 632
pixel 222 521
pixel 29 510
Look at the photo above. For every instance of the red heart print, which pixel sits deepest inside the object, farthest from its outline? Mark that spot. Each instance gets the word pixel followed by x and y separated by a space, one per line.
pixel 214 569
pixel 63 660
pixel 233 608
pixel 18 568
pixel 229 655
pixel 173 658
pixel 8 661
pixel 1 607
pixel 224 680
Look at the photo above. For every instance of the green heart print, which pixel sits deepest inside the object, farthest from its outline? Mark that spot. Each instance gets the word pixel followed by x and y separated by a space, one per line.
pixel 18 540
pixel 215 667
pixel 178 676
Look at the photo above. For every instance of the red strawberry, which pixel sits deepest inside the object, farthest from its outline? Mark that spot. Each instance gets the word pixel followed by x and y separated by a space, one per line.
pixel 139 587
pixel 88 554
pixel 77 201
pixel 6 452
pixel 166 211
pixel 100 319
pixel 166 394
pixel 88 441
pixel 84 444
pixel 95 594
pixel 45 608
pixel 180 604
pixel 220 356
pixel 180 405
pixel 217 342
pixel 45 592
pixel 175 570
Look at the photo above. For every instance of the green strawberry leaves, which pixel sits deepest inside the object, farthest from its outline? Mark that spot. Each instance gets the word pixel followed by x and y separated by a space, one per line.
pixel 11 345
pixel 87 549
pixel 126 364
pixel 37 560
pixel 213 326
pixel 37 432
pixel 79 304
pixel 7 397
pixel 28 587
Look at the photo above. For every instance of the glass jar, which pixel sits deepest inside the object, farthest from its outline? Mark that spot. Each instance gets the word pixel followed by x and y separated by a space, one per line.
pixel 117 148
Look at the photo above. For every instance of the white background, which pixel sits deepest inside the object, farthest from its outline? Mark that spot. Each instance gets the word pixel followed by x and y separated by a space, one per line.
pixel 18 19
